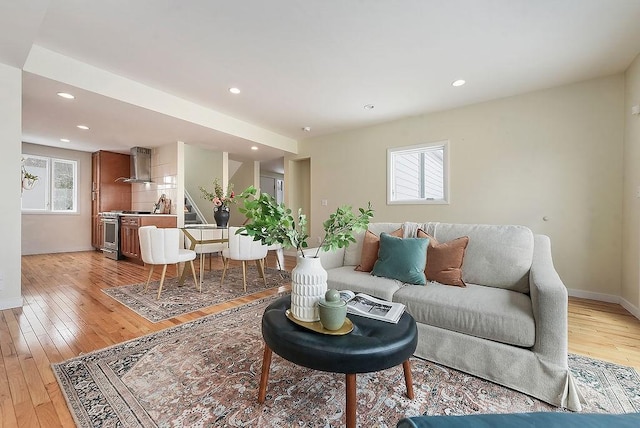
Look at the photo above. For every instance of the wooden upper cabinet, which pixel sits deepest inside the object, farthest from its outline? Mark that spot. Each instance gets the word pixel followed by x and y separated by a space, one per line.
pixel 114 194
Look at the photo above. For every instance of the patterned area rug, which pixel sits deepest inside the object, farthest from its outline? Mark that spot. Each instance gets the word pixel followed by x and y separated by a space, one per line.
pixel 176 300
pixel 205 373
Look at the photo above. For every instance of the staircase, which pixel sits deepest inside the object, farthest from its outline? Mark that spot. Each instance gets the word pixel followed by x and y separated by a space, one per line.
pixel 191 213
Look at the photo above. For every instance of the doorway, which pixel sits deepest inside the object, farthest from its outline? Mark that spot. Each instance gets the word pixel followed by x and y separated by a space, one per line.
pixel 273 186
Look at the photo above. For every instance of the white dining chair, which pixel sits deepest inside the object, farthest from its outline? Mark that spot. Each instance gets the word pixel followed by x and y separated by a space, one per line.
pixel 162 247
pixel 244 248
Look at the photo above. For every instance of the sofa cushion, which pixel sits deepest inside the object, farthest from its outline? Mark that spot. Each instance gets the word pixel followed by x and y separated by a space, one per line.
pixel 524 420
pixel 497 255
pixel 370 248
pixel 353 252
pixel 345 278
pixel 490 313
pixel 444 260
pixel 401 259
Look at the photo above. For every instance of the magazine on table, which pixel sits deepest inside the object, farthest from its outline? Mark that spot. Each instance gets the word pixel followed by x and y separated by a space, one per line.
pixel 371 307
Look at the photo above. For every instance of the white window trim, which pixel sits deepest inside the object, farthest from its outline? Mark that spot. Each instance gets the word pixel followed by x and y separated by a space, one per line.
pixel 74 165
pixel 48 210
pixel 446 200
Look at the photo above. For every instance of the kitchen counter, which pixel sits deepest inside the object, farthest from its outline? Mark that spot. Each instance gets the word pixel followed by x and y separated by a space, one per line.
pixel 149 215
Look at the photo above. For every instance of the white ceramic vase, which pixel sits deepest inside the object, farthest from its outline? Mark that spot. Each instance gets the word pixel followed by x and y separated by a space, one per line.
pixel 308 286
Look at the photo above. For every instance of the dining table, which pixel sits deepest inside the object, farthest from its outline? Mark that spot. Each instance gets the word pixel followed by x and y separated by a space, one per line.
pixel 196 235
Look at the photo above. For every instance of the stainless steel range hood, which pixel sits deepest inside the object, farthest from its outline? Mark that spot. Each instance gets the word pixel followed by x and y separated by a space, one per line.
pixel 140 168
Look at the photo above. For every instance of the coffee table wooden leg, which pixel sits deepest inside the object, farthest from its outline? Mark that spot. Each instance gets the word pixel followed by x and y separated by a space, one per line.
pixel 351 400
pixel 264 377
pixel 406 366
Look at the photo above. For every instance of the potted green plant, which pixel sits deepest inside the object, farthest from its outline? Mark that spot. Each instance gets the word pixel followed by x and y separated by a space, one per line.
pixel 273 223
pixel 27 180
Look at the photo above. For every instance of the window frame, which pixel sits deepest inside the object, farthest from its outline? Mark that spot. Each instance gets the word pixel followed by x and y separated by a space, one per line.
pixel 444 145
pixel 49 182
pixel 74 166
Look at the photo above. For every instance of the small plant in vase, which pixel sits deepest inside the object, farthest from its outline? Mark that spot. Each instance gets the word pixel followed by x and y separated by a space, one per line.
pixel 27 180
pixel 273 223
pixel 221 201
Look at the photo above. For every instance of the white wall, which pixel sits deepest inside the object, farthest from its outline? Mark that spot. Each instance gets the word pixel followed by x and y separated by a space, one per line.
pixel 631 224
pixel 554 153
pixel 56 232
pixel 243 177
pixel 202 166
pixel 164 177
pixel 10 138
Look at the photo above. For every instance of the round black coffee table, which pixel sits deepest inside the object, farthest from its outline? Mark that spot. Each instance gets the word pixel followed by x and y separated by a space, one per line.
pixel 371 346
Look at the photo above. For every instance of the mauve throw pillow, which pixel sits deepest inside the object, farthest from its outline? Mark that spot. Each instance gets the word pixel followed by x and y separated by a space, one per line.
pixel 401 259
pixel 370 247
pixel 444 261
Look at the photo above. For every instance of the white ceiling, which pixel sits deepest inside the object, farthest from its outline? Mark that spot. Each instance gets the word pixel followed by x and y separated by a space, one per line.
pixel 299 63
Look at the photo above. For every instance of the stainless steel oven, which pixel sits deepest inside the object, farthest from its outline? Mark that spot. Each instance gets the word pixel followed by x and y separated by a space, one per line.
pixel 111 234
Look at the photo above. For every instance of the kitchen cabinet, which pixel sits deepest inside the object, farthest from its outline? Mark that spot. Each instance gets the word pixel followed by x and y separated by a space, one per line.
pixel 129 243
pixel 107 194
pixel 129 224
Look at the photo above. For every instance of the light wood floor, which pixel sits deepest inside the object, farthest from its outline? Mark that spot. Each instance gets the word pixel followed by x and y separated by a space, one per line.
pixel 66 314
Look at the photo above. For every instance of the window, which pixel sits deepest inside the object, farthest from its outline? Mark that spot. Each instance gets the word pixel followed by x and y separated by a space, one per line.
pixel 418 174
pixel 56 187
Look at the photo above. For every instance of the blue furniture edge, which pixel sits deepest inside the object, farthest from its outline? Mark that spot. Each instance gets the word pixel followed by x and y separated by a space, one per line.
pixel 525 420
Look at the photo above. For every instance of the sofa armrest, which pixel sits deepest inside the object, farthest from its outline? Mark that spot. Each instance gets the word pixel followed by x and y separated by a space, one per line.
pixel 328 259
pixel 550 304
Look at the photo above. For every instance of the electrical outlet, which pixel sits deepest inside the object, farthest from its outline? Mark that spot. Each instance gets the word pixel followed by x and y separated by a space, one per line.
pixel 324 202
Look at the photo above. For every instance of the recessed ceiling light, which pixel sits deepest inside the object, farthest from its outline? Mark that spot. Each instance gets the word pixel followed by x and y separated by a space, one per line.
pixel 234 90
pixel 369 107
pixel 254 148
pixel 458 82
pixel 66 95
pixel 85 127
pixel 65 140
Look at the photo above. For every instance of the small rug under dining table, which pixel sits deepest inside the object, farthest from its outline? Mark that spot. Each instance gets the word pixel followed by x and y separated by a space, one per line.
pixel 178 300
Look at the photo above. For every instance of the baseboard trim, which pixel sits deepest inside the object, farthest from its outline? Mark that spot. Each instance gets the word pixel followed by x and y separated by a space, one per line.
pixel 16 302
pixel 57 251
pixel 631 308
pixel 609 298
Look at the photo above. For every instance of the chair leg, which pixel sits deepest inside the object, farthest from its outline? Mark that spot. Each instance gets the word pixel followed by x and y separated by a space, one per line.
pixel 224 270
pixel 195 279
pixel 280 258
pixel 164 271
pixel 260 265
pixel 146 286
pixel 244 275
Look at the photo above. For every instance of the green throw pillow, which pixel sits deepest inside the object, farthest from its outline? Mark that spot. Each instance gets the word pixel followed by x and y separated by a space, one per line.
pixel 402 259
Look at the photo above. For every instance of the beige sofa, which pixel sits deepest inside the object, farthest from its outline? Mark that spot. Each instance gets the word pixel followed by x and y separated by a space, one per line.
pixel 508 325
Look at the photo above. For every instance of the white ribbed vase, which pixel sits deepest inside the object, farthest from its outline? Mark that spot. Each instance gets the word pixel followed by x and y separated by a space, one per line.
pixel 308 286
